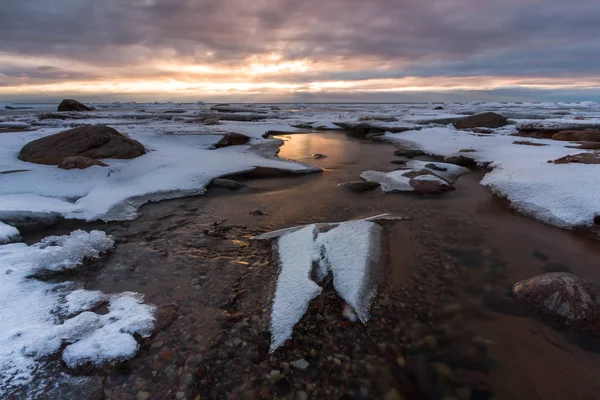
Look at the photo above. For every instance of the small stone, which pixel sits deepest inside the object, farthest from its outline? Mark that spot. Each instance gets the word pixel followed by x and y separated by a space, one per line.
pixel 157 344
pixel 301 364
pixel 317 156
pixel 236 342
pixel 142 396
pixel 337 361
pixel 393 394
pixel 179 395
pixel 430 342
pixel 257 212
pixel 400 361
pixel 166 354
pixel 314 353
pixel 301 395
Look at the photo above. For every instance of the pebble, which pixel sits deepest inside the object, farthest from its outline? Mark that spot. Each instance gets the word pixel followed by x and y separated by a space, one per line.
pixel 337 361
pixel 300 364
pixel 393 394
pixel 143 396
pixel 301 395
pixel 179 395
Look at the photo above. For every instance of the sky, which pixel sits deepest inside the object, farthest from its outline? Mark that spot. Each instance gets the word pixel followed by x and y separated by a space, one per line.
pixel 300 50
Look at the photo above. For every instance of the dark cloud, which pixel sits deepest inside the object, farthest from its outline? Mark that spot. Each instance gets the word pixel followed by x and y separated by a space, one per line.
pixel 426 38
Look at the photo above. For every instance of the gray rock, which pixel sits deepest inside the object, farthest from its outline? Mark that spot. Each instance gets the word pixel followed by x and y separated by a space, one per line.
pixel 300 364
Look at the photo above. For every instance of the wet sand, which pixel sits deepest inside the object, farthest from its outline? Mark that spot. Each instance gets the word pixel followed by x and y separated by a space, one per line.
pixel 441 325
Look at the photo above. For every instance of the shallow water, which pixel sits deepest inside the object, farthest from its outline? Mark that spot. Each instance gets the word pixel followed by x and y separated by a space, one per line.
pixel 175 253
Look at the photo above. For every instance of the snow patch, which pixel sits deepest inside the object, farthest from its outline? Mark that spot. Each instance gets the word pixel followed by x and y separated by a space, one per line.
pixel 563 195
pixel 36 315
pixel 7 233
pixel 349 250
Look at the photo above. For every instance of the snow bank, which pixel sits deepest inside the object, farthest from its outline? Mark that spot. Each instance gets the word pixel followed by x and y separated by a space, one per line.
pixel 349 250
pixel 7 233
pixel 37 317
pixel 563 195
pixel 175 166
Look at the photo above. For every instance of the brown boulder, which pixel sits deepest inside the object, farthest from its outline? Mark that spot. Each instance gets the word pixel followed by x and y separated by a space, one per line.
pixel 232 139
pixel 484 120
pixel 566 298
pixel 73 105
pixel 582 158
pixel 460 159
pixel 79 162
pixel 424 182
pixel 91 141
pixel 578 136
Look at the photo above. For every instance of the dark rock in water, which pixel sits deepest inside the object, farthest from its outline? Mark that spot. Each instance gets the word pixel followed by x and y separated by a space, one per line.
pixel 400 161
pixel 555 267
pixel 484 120
pixel 578 136
pixel 360 186
pixel 461 160
pixel 91 141
pixel 227 183
pixel 439 108
pixel 232 139
pixel 597 219
pixel 79 162
pixel 563 297
pixel 409 152
pixel 317 156
pixel 467 151
pixel 73 105
pixel 582 158
pixel 166 314
pixel 540 256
